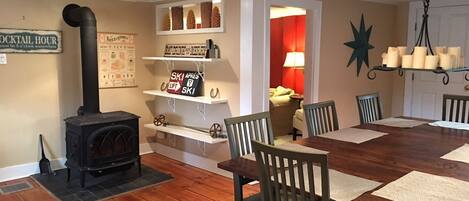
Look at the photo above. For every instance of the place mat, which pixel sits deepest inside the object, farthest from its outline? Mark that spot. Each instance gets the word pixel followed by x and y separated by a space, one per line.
pixel 460 154
pixel 353 135
pixel 290 147
pixel 399 122
pixel 448 124
pixel 342 186
pixel 422 186
pixel 99 188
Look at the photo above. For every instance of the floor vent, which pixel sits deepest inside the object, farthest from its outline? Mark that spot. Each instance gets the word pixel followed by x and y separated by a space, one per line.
pixel 13 188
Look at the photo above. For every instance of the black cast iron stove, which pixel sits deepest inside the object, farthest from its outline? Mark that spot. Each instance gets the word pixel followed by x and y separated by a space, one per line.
pixel 97 143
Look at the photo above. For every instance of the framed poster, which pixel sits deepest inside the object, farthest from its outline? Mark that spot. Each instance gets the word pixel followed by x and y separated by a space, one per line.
pixel 30 41
pixel 116 55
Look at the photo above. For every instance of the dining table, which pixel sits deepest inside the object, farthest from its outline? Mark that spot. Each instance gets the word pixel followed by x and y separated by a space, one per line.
pixel 383 159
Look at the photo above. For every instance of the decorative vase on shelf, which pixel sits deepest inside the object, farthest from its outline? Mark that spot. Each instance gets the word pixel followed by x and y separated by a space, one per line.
pixel 206 14
pixel 190 20
pixel 166 22
pixel 177 16
pixel 216 17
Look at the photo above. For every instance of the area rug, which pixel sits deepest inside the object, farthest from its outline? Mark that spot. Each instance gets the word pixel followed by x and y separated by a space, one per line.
pixel 98 188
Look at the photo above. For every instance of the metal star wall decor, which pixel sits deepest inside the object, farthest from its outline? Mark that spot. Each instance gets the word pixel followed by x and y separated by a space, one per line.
pixel 360 45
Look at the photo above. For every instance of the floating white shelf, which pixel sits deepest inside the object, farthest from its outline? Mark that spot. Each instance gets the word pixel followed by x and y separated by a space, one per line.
pixel 191 31
pixel 199 99
pixel 187 133
pixel 180 59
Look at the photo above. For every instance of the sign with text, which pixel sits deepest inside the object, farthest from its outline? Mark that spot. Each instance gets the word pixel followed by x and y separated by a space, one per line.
pixel 188 83
pixel 30 41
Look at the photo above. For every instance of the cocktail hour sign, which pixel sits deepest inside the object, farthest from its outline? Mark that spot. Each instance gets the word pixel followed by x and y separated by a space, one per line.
pixel 30 41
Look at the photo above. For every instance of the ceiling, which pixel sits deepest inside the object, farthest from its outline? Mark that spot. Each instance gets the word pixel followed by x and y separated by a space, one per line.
pixel 377 1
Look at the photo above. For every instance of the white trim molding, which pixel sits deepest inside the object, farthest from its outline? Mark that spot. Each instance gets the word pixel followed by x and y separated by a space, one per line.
pixel 28 169
pixel 255 51
pixel 188 158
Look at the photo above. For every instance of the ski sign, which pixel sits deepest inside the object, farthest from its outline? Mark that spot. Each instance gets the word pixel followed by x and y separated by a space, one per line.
pixel 188 83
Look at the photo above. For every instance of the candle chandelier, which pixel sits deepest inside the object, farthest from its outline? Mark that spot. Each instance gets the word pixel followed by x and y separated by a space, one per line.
pixel 423 56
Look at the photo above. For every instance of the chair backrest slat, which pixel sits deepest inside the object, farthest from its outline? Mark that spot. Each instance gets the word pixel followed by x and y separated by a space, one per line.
pixel 457 108
pixel 369 108
pixel 296 177
pixel 241 130
pixel 321 118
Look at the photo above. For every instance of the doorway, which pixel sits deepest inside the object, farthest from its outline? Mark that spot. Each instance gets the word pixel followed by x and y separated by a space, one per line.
pixel 448 26
pixel 255 52
pixel 286 76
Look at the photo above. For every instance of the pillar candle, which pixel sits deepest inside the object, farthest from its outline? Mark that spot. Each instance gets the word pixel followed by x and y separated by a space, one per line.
pixel 446 61
pixel 431 61
pixel 385 58
pixel 402 50
pixel 440 50
pixel 456 52
pixel 407 61
pixel 393 58
pixel 419 57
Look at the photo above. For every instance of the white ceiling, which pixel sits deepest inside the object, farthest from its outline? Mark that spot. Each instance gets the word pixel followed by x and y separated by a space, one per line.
pixel 377 1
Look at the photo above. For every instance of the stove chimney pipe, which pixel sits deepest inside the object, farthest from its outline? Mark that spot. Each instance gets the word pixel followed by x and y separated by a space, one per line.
pixel 77 16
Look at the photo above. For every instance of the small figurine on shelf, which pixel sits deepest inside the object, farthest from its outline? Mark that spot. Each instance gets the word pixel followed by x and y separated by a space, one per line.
pixel 212 50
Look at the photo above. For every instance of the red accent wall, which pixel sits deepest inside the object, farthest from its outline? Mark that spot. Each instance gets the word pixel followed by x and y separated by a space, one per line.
pixel 287 35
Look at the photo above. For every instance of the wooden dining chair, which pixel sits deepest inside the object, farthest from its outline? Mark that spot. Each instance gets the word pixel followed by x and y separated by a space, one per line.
pixel 282 180
pixel 369 108
pixel 321 118
pixel 455 108
pixel 241 130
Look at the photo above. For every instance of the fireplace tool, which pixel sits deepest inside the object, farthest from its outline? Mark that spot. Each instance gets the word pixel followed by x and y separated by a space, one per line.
pixel 44 163
pixel 215 130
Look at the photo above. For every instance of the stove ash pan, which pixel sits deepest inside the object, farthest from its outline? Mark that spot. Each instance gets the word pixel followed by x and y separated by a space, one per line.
pixel 101 142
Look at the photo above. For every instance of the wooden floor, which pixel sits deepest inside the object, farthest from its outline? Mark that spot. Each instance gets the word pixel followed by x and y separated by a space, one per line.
pixel 189 183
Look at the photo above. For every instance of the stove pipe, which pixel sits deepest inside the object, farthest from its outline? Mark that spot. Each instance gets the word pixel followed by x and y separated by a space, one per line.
pixel 77 16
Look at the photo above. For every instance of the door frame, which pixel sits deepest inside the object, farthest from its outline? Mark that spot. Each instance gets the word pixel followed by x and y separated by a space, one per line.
pixel 255 52
pixel 411 33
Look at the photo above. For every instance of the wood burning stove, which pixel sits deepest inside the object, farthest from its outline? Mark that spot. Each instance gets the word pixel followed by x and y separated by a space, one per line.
pixel 97 143
pixel 101 142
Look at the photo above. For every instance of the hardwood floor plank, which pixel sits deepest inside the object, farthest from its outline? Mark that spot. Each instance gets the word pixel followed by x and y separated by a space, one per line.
pixel 189 184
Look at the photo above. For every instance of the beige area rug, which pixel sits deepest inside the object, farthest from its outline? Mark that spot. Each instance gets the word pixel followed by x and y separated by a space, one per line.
pixel 291 147
pixel 460 154
pixel 343 187
pixel 399 122
pixel 353 135
pixel 422 186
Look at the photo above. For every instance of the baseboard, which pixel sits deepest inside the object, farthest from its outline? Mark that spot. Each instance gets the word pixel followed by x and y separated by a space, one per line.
pixel 27 169
pixel 188 158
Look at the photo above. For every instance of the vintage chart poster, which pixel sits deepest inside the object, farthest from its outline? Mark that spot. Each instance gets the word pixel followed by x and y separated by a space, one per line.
pixel 116 55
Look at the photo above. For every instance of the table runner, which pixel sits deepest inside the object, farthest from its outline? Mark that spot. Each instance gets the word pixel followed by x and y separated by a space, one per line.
pixel 353 135
pixel 399 122
pixel 448 124
pixel 343 187
pixel 423 186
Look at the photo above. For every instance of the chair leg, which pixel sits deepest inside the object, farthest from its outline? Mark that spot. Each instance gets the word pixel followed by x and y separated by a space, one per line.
pixel 295 133
pixel 238 188
pixel 68 174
